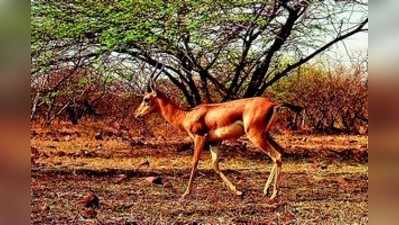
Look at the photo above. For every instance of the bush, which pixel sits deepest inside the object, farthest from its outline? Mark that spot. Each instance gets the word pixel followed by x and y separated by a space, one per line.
pixel 331 101
pixel 334 101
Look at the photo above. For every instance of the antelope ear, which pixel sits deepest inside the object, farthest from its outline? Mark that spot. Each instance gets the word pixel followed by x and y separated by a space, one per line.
pixel 154 92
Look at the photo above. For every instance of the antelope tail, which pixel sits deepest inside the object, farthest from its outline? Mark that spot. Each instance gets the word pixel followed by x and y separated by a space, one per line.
pixel 294 108
pixel 272 116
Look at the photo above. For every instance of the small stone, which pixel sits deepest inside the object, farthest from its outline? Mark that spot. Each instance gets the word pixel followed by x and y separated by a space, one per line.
pixel 34 151
pixel 61 153
pixel 323 166
pixel 121 177
pixel 130 223
pixel 45 207
pixel 167 184
pixel 87 153
pixel 99 136
pixel 154 180
pixel 89 213
pixel 144 163
pixel 90 200
pixel 67 138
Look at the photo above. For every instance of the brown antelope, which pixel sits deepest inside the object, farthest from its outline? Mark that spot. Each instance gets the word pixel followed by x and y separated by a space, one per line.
pixel 209 124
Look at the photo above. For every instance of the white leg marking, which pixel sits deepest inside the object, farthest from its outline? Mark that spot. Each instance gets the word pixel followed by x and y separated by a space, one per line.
pixel 269 180
pixel 215 164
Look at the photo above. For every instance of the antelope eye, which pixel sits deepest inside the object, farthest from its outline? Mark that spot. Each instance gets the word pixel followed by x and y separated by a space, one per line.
pixel 146 100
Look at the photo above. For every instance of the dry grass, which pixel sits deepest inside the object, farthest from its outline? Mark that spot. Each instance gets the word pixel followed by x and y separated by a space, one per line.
pixel 319 185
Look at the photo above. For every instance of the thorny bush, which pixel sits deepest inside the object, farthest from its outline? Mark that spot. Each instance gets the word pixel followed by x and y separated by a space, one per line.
pixel 329 101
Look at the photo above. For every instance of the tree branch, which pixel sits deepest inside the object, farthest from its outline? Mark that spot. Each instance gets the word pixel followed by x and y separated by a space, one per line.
pixel 289 68
pixel 280 39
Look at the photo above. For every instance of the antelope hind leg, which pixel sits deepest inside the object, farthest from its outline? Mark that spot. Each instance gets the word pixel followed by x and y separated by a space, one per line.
pixel 269 180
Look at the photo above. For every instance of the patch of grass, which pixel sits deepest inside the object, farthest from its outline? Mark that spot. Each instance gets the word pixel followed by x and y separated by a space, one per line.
pixel 312 190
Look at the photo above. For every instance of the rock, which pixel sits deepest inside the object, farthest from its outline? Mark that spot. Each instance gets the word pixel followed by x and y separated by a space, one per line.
pixel 116 125
pixel 34 155
pixel 90 200
pixel 144 163
pixel 61 153
pixel 98 136
pixel 34 133
pixel 125 136
pixel 323 166
pixel 87 153
pixel 167 184
pixel 43 154
pixel 136 142
pixel 34 151
pixel 88 213
pixel 154 180
pixel 44 207
pixel 120 178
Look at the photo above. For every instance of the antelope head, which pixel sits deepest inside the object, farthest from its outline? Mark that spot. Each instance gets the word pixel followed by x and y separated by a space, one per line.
pixel 149 102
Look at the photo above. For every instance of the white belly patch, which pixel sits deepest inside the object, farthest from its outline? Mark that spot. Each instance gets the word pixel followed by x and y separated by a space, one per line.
pixel 233 130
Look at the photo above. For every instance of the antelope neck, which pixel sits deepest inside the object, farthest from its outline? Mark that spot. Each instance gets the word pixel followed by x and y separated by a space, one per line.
pixel 170 111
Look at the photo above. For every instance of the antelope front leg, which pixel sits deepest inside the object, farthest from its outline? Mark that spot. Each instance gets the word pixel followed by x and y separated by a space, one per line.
pixel 215 164
pixel 199 143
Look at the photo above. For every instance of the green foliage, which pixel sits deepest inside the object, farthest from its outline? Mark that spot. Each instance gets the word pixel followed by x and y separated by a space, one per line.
pixel 283 89
pixel 138 21
pixel 205 44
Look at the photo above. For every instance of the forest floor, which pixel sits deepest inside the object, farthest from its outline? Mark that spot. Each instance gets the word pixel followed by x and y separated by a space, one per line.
pixel 324 180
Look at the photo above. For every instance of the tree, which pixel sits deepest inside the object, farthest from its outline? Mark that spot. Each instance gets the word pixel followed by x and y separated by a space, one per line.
pixel 210 50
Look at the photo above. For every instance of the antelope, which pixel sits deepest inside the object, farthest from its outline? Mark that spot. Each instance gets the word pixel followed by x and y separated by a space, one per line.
pixel 210 124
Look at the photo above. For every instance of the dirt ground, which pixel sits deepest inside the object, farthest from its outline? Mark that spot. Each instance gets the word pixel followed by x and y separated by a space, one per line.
pixel 324 181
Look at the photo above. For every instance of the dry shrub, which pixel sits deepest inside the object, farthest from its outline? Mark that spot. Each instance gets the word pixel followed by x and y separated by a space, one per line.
pixel 62 93
pixel 332 102
pixel 85 96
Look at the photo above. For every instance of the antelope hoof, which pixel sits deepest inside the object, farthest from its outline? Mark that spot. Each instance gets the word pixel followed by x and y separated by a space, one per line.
pixel 274 195
pixel 184 195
